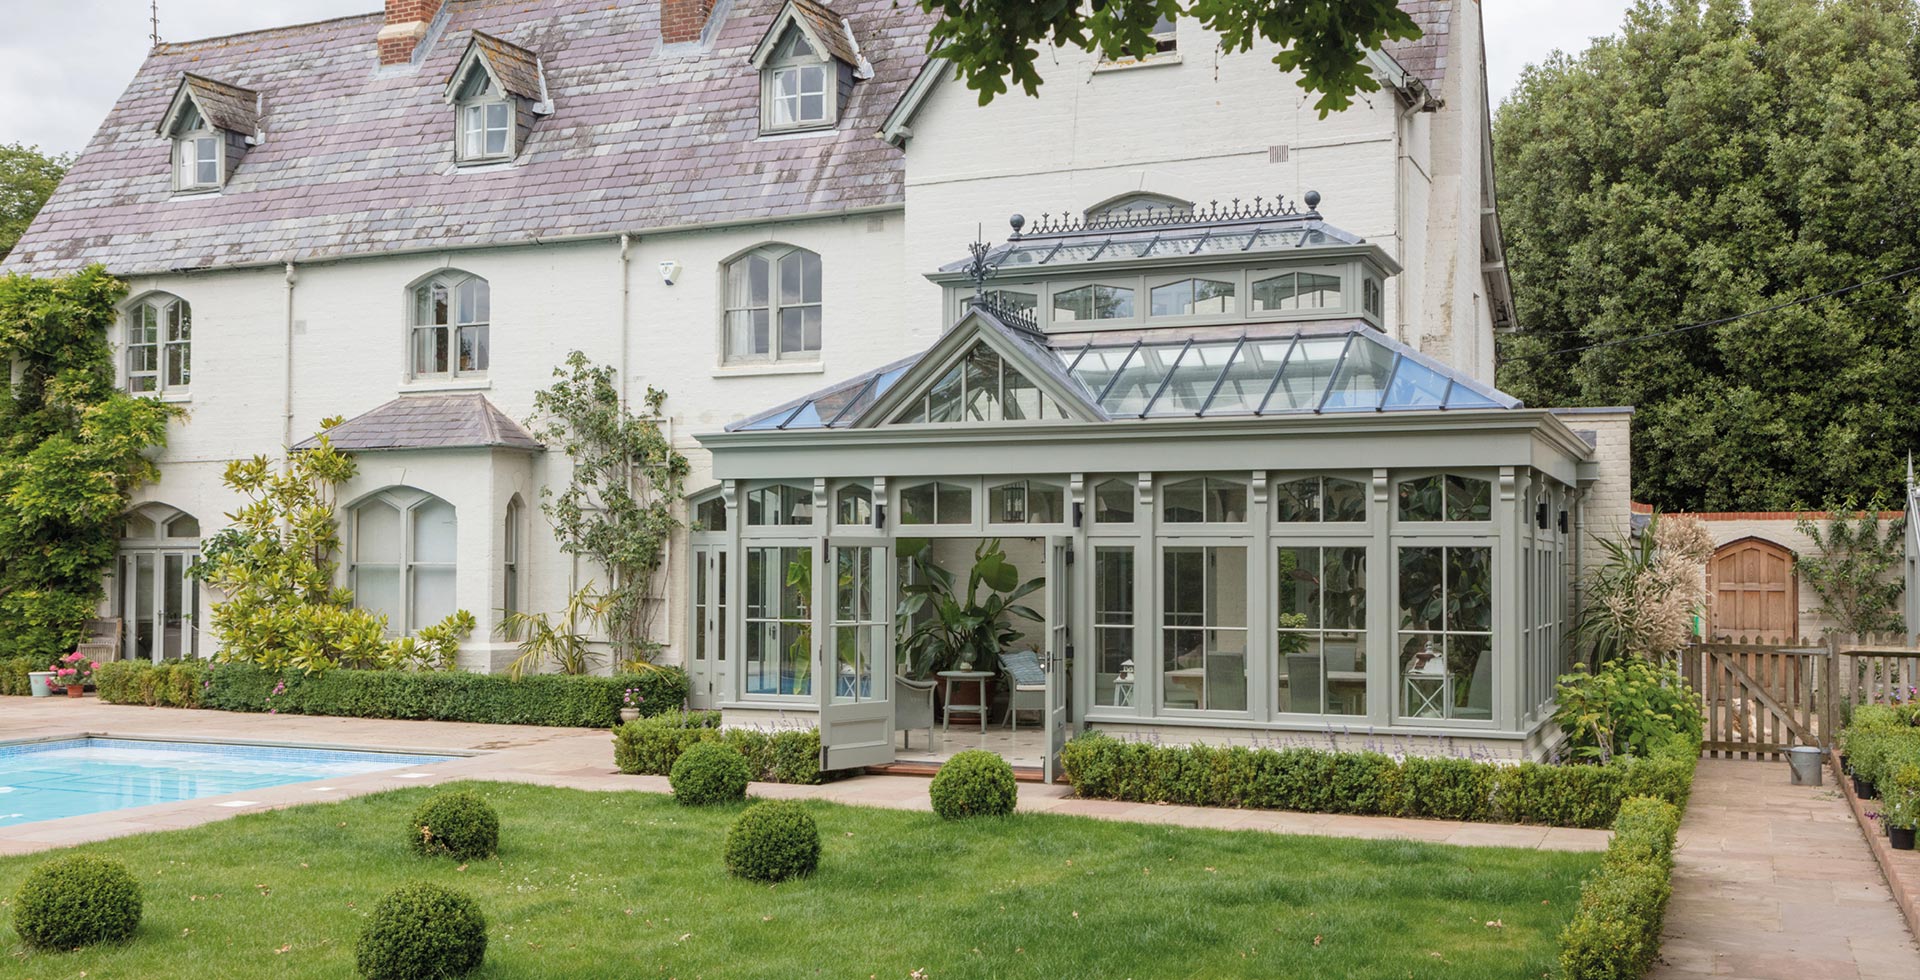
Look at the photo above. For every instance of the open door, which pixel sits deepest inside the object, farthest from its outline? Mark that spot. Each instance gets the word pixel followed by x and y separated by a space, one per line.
pixel 856 686
pixel 1059 613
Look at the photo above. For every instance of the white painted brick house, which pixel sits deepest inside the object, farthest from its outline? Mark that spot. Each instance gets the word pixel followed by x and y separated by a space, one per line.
pixel 593 174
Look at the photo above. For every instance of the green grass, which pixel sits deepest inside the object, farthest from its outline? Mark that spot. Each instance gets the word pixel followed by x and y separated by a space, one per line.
pixel 631 885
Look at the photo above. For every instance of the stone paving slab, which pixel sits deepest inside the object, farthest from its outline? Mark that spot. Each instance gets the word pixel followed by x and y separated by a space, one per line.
pixel 579 758
pixel 1774 882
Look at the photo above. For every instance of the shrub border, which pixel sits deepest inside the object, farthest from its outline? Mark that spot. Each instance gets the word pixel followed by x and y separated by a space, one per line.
pixel 651 745
pixel 1903 873
pixel 1615 930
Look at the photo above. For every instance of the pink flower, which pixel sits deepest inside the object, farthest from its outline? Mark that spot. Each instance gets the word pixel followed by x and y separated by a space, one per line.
pixel 94 665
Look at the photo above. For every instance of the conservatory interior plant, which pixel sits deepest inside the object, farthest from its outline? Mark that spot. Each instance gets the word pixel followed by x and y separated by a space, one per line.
pixel 946 626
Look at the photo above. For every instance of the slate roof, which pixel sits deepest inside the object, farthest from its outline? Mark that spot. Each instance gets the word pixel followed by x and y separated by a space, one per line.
pixel 516 68
pixel 359 161
pixel 464 421
pixel 228 107
pixel 1425 57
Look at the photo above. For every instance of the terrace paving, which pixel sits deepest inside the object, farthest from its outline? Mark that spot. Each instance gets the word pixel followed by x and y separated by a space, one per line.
pixel 583 759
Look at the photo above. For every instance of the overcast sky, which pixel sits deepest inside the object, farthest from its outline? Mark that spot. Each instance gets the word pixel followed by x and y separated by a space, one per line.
pixel 63 62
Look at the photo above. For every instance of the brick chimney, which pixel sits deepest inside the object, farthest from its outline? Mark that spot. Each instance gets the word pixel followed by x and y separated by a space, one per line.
pixel 406 24
pixel 681 20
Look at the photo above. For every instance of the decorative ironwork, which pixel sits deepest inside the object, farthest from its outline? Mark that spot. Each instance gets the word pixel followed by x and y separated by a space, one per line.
pixel 978 268
pixel 1260 208
pixel 1017 319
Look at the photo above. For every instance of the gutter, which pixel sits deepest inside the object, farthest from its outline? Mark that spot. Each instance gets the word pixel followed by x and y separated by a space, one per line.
pixel 286 403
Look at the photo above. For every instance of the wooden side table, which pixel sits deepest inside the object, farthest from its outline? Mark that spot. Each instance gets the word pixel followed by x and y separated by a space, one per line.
pixel 980 679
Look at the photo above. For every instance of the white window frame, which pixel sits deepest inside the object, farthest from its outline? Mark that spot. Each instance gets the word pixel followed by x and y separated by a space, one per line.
pixel 731 309
pixel 803 68
pixel 481 327
pixel 188 158
pixel 171 343
pixel 409 501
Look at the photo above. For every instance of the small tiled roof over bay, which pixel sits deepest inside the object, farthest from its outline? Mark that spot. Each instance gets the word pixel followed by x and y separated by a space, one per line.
pixel 358 160
pixel 517 68
pixel 227 107
pixel 463 421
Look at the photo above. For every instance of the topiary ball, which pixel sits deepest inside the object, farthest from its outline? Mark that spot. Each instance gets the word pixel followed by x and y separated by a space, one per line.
pixel 76 901
pixel 460 825
pixel 422 931
pixel 974 783
pixel 773 841
pixel 708 772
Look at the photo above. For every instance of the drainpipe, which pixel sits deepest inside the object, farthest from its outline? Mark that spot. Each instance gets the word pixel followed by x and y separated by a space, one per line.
pixel 286 405
pixel 626 242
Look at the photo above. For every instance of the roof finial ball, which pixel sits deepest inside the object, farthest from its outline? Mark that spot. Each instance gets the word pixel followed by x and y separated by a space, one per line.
pixel 1313 200
pixel 1018 222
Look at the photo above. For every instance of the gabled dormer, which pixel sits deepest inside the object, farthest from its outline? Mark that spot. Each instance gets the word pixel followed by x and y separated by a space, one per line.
pixel 497 89
pixel 808 61
pixel 211 125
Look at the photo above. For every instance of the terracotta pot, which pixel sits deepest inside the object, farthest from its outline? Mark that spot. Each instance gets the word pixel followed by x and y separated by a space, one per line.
pixel 76 690
pixel 1901 838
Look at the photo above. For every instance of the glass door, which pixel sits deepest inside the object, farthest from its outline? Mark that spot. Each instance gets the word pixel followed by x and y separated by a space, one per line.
pixel 1059 613
pixel 158 601
pixel 707 625
pixel 856 687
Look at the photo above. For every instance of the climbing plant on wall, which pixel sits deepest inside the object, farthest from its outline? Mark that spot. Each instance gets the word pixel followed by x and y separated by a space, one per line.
pixel 617 509
pixel 72 449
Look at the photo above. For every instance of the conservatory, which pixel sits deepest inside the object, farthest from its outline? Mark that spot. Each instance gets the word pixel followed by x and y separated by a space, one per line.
pixel 1238 508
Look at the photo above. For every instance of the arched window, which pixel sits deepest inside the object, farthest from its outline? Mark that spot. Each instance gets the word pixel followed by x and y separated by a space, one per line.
pixel 154 594
pixel 403 558
pixel 450 316
pixel 510 558
pixel 773 305
pixel 159 345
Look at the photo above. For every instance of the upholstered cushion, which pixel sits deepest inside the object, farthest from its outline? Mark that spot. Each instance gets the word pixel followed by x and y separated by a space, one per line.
pixel 1024 667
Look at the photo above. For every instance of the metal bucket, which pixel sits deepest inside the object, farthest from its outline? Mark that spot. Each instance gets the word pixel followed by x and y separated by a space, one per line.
pixel 1805 760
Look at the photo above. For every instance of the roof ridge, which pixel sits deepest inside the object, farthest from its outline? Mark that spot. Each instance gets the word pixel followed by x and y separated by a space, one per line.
pixel 172 46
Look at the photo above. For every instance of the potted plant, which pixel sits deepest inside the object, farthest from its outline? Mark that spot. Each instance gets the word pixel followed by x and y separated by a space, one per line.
pixel 943 626
pixel 73 672
pixel 1866 753
pixel 1900 807
pixel 630 702
pixel 42 681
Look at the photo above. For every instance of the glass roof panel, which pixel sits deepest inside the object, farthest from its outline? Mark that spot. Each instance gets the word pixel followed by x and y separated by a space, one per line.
pixel 771 421
pixel 1140 380
pixel 1193 380
pixel 1416 385
pixel 1308 369
pixel 1250 377
pixel 808 417
pixel 1098 367
pixel 1363 377
pixel 1465 397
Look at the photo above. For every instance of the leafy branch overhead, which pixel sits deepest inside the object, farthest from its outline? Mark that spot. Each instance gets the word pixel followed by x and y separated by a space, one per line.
pixel 994 42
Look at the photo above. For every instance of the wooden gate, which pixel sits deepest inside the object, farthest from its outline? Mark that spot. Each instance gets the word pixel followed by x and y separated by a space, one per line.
pixel 1759 698
pixel 1756 594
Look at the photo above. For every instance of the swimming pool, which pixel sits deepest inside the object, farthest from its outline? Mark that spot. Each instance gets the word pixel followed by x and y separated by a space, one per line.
pixel 77 776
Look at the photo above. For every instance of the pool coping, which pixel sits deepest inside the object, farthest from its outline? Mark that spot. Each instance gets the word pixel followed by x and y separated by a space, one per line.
pixel 252 743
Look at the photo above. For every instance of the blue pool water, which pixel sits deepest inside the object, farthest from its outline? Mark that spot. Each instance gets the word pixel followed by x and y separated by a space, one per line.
pixel 78 776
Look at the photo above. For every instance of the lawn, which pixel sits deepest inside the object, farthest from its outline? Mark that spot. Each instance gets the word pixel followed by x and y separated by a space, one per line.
pixel 630 885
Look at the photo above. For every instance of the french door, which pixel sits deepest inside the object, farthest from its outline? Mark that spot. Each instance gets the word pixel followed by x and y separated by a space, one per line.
pixel 853 662
pixel 1059 613
pixel 157 604
pixel 707 626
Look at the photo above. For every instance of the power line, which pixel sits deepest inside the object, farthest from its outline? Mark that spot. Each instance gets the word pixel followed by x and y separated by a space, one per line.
pixel 1704 324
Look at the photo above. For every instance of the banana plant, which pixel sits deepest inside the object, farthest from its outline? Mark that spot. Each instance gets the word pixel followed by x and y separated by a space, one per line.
pixel 941 625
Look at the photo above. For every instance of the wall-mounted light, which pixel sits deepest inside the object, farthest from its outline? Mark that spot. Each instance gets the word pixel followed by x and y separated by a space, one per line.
pixel 669 271
pixel 1079 512
pixel 880 515
pixel 1563 522
pixel 1540 515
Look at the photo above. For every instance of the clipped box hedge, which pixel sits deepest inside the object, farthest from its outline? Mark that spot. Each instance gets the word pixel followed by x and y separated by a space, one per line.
pixel 651 745
pixel 557 700
pixel 1318 781
pixel 13 674
pixel 1615 931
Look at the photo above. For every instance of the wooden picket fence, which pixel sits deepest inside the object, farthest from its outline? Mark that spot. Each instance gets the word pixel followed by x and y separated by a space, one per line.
pixel 1761 698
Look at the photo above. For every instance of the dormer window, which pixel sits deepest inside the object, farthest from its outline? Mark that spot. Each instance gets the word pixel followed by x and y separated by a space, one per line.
pixel 797 87
pixel 196 154
pixel 496 90
pixel 807 59
pixel 486 122
pixel 211 125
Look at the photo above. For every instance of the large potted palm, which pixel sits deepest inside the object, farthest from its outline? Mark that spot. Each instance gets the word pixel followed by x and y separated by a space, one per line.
pixel 943 626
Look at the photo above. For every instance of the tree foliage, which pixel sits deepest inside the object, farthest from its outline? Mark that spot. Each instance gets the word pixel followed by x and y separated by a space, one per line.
pixel 73 447
pixel 27 179
pixel 1857 571
pixel 1708 161
pixel 275 566
pixel 617 510
pixel 992 42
